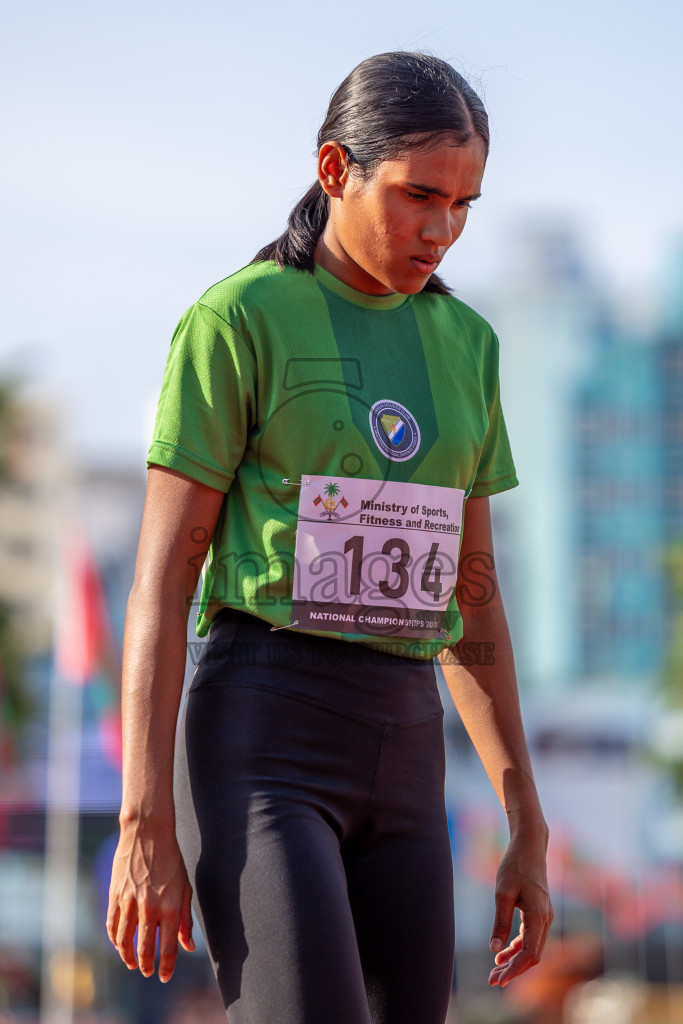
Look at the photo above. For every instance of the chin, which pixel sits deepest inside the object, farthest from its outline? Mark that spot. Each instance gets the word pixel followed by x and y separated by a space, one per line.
pixel 404 284
pixel 411 287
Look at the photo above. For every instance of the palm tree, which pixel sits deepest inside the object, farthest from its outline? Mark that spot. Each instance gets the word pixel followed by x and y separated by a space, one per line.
pixel 331 490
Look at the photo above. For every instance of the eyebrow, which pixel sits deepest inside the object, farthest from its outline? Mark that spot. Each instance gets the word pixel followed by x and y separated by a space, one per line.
pixel 432 191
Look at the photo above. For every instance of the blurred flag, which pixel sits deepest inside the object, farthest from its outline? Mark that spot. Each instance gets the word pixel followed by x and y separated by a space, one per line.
pixel 85 652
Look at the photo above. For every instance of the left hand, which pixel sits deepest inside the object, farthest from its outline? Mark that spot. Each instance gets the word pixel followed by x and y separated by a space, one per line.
pixel 521 882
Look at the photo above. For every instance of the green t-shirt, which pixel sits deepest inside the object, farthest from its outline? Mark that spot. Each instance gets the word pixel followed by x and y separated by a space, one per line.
pixel 275 374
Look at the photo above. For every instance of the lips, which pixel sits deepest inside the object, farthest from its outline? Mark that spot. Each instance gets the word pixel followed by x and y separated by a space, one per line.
pixel 426 264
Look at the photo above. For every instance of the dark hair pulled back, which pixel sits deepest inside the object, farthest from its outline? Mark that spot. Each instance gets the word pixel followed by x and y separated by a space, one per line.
pixel 388 104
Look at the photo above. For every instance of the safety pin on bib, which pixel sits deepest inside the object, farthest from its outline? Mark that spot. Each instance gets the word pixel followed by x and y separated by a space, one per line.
pixel 274 629
pixel 294 483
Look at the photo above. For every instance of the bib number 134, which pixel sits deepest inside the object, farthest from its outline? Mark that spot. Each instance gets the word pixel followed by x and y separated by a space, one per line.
pixel 430 578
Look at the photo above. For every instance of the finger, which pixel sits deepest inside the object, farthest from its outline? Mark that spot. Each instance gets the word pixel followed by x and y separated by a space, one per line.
pixel 510 950
pixel 528 949
pixel 519 963
pixel 113 914
pixel 147 941
pixel 128 922
pixel 185 927
pixel 513 947
pixel 534 930
pixel 168 945
pixel 502 924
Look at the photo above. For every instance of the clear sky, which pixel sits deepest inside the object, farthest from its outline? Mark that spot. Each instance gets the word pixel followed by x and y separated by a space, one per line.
pixel 150 148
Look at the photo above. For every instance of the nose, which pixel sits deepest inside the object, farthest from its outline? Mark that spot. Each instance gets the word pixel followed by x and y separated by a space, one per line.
pixel 442 228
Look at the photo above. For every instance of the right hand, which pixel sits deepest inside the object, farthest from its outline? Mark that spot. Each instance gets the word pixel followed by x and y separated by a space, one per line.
pixel 149 890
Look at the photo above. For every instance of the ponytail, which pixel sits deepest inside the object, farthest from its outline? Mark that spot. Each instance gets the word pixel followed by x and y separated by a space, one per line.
pixel 306 223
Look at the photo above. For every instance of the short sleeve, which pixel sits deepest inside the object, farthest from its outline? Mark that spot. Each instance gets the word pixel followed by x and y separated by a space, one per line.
pixel 496 470
pixel 207 402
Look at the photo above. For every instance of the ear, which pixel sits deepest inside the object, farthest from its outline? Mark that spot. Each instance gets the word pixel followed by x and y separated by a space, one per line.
pixel 333 169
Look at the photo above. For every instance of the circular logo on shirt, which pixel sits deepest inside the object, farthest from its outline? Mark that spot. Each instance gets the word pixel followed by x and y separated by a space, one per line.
pixel 395 430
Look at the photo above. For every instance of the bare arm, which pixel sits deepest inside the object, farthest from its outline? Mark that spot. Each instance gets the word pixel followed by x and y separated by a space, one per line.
pixel 481 678
pixel 149 883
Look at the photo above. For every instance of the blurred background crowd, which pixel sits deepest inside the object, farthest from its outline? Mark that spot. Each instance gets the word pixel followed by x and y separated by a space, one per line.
pixel 152 149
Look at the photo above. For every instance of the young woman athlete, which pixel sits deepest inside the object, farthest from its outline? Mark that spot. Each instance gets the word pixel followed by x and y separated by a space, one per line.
pixel 329 432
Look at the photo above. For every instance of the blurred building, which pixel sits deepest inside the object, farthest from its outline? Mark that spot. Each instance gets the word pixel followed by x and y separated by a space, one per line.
pixel 545 319
pixel 627 470
pixel 618 463
pixel 44 500
pixel 595 415
pixel 669 368
pixel 34 481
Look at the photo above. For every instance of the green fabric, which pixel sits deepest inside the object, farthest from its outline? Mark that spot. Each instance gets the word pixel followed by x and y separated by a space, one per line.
pixel 272 375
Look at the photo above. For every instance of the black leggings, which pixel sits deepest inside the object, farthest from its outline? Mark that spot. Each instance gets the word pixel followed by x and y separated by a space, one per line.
pixel 310 806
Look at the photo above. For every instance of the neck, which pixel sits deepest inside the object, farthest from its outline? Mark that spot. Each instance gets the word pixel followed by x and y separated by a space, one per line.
pixel 332 258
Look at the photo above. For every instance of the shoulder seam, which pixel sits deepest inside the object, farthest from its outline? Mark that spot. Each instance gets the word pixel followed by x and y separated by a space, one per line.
pixel 227 323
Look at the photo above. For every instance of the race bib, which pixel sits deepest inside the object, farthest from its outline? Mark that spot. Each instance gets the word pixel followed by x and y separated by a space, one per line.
pixel 375 557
